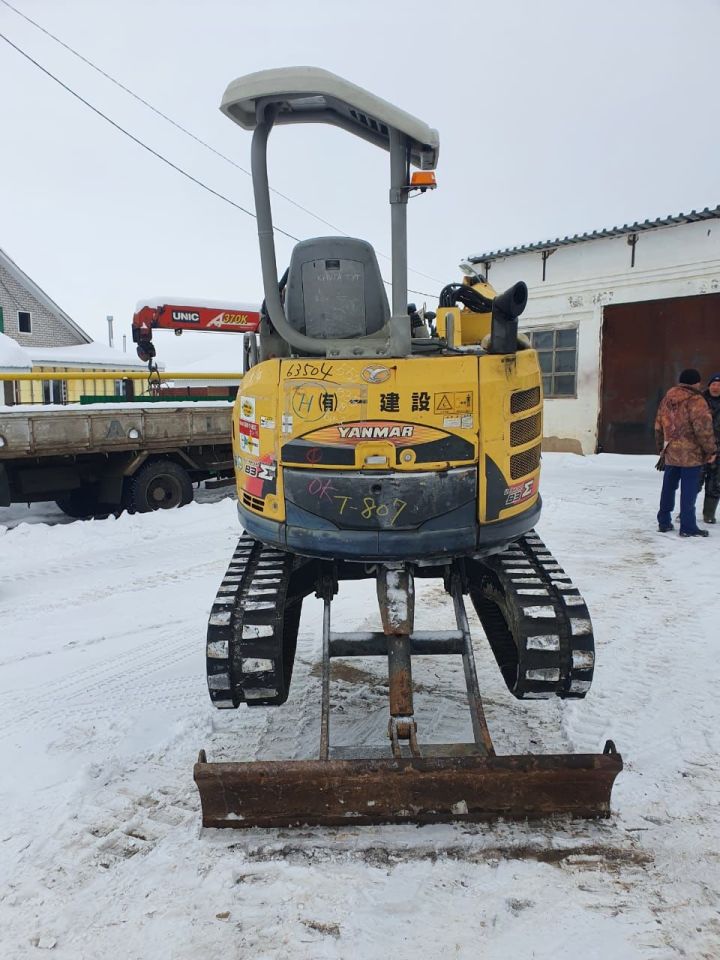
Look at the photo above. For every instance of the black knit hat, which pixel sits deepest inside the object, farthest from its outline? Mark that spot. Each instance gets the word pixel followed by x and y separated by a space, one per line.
pixel 689 377
pixel 714 378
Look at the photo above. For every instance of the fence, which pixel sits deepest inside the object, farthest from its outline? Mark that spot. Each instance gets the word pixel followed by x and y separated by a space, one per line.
pixel 68 386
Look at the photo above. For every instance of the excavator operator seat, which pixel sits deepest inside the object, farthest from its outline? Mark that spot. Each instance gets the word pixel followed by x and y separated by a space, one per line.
pixel 334 289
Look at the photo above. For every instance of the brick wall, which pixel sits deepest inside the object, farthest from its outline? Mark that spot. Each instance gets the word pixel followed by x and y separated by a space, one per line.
pixel 48 329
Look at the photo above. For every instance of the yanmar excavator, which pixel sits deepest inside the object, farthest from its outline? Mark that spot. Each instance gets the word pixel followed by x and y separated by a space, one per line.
pixel 362 451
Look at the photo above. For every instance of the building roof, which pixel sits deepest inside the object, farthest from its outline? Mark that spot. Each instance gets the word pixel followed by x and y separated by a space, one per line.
pixel 709 213
pixel 94 355
pixel 39 294
pixel 12 355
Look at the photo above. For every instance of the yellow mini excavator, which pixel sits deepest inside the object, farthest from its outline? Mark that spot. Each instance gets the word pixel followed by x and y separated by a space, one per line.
pixel 368 445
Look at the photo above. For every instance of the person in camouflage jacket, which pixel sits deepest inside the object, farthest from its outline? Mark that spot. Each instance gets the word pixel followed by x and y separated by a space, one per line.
pixel 712 470
pixel 685 438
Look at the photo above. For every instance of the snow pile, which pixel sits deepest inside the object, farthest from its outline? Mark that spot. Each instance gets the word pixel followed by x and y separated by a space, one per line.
pixel 189 302
pixel 85 355
pixel 103 708
pixel 12 355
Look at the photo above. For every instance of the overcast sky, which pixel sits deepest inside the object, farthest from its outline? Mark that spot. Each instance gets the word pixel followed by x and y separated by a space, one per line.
pixel 554 118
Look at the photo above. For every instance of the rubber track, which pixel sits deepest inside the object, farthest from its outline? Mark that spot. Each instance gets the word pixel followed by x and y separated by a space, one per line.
pixel 536 621
pixel 252 630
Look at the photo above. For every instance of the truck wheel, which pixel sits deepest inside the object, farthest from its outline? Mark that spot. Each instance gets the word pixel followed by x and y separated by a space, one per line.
pixel 82 504
pixel 160 485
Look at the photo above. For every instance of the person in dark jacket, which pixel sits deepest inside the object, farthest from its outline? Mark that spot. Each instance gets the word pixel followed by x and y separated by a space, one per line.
pixel 712 470
pixel 685 438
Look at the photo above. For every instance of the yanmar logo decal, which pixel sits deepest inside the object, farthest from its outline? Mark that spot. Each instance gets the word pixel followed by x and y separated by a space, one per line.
pixel 385 432
pixel 389 430
pixel 375 374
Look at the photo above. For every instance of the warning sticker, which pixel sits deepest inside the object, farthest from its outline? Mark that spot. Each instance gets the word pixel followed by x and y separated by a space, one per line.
pixel 248 429
pixel 247 408
pixel 267 422
pixel 249 445
pixel 453 402
pixel 465 422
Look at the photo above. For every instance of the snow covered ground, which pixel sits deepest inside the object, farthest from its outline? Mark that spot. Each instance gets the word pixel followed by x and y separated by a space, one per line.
pixel 50 513
pixel 103 708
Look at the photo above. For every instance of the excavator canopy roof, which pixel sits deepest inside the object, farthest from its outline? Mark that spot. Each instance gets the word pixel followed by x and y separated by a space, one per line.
pixel 312 95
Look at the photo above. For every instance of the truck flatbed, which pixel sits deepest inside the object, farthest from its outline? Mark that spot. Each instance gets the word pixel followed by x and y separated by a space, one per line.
pixel 97 459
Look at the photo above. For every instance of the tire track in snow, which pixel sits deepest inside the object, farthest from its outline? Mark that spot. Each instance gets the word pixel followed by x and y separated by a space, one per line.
pixel 126 559
pixel 651 662
pixel 117 672
pixel 82 553
pixel 135 587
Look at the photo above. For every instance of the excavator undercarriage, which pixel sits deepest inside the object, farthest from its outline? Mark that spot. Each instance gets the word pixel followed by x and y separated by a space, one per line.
pixel 538 628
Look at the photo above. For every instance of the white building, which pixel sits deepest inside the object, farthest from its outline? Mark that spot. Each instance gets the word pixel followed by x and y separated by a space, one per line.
pixel 615 316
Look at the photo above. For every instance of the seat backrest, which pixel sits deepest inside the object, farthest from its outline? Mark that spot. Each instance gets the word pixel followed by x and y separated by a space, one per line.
pixel 334 289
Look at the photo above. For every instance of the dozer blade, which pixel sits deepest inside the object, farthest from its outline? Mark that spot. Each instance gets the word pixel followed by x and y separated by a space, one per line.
pixel 412 790
pixel 405 782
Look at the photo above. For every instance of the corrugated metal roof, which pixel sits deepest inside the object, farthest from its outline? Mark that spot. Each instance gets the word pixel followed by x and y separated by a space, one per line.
pixel 709 213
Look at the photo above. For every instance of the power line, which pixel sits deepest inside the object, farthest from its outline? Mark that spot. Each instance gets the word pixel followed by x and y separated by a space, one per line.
pixel 139 142
pixel 155 153
pixel 189 133
pixel 155 110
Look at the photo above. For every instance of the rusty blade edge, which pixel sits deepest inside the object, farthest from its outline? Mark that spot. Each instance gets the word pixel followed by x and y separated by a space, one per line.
pixel 436 790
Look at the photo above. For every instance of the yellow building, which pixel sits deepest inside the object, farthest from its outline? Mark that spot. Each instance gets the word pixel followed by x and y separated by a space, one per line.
pixel 93 359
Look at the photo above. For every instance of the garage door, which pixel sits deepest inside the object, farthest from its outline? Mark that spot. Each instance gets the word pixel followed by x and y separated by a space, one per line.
pixel 644 347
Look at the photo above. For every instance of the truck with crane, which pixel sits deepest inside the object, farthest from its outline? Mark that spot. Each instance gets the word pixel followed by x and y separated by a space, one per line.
pixel 141 454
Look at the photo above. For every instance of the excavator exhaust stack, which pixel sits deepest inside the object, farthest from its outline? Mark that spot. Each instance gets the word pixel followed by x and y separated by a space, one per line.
pixel 406 781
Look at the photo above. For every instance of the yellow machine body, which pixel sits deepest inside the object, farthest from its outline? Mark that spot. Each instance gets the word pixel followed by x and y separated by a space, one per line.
pixel 400 459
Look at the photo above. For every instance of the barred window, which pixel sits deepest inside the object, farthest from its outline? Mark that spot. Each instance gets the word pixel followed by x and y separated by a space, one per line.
pixel 557 356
